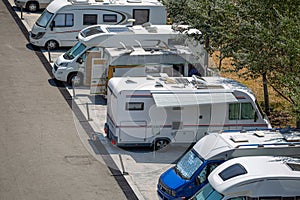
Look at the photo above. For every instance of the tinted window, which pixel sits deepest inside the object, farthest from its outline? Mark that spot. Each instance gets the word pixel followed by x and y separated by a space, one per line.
pixel 234 111
pixel 247 111
pixel 63 20
pixel 109 18
pixel 141 16
pixel 134 105
pixel 207 193
pixel 232 171
pixel 89 19
pixel 241 111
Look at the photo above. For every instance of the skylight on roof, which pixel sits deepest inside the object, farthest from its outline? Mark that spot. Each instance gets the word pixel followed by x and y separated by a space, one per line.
pixel 239 138
pixel 117 29
pixel 91 31
pixel 292 137
pixel 232 171
pixel 294 166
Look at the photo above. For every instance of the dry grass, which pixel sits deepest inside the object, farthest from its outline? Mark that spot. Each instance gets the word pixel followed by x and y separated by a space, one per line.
pixel 280 109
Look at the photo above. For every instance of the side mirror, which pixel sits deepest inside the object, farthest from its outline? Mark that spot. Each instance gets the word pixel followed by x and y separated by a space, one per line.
pixel 197 181
pixel 79 60
pixel 52 24
pixel 255 117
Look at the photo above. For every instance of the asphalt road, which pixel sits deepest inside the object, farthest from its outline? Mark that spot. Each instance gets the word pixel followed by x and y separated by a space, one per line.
pixel 41 155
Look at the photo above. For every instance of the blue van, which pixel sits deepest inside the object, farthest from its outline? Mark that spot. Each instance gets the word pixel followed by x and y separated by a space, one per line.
pixel 191 171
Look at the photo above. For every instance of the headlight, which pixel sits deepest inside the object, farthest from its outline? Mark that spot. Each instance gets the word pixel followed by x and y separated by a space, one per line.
pixel 37 36
pixel 173 193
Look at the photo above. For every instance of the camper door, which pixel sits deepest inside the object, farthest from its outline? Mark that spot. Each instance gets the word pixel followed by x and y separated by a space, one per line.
pixel 132 131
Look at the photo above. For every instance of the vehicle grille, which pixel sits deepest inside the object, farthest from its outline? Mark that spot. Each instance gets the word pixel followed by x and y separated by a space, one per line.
pixel 164 188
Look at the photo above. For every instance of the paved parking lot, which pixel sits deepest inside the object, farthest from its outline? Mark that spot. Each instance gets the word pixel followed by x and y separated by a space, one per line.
pixel 142 166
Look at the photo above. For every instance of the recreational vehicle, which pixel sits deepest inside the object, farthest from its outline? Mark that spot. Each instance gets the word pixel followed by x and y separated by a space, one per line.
pixel 61 21
pixel 191 171
pixel 256 177
pixel 155 111
pixel 32 5
pixel 123 40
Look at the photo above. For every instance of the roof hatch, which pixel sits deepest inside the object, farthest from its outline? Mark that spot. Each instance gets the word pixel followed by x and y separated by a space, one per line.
pixel 239 138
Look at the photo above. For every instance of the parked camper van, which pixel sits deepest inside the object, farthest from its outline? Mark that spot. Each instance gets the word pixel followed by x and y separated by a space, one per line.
pixel 256 177
pixel 61 21
pixel 155 111
pixel 32 5
pixel 121 39
pixel 191 171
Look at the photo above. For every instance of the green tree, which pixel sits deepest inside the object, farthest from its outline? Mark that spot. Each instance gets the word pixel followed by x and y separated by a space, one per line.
pixel 261 36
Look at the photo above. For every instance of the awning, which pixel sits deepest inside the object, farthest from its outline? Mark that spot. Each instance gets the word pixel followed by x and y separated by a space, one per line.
pixel 179 100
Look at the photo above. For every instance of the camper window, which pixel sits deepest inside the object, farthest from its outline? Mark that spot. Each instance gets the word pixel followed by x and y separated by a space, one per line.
pixel 247 111
pixel 241 111
pixel 109 18
pixel 63 20
pixel 89 19
pixel 141 16
pixel 234 111
pixel 134 106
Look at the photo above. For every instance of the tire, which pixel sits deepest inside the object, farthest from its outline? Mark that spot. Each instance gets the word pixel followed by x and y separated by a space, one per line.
pixel 77 78
pixel 160 144
pixel 51 44
pixel 32 6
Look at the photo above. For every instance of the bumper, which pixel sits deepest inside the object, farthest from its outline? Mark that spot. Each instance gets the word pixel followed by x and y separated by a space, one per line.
pixel 35 42
pixel 57 76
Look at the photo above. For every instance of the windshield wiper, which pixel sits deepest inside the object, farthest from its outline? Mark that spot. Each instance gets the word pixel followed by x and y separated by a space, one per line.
pixel 179 173
pixel 67 56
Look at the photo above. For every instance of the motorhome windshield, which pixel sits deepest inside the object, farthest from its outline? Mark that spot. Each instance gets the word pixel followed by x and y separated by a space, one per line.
pixel 188 165
pixel 44 19
pixel 208 193
pixel 76 50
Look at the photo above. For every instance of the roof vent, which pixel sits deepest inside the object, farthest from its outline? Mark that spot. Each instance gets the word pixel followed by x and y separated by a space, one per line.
pixel 130 81
pixel 150 77
pixel 146 24
pixel 294 166
pixel 170 81
pixel 134 1
pixel 259 133
pixel 80 1
pixel 151 29
pixel 292 138
pixel 238 138
pixel 158 84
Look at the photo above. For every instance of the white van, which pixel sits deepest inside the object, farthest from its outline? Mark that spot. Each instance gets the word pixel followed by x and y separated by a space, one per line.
pixel 59 24
pixel 254 178
pixel 147 111
pixel 32 5
pixel 158 45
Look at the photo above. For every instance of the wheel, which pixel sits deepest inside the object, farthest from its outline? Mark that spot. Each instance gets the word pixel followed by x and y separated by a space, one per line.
pixel 32 6
pixel 51 44
pixel 160 144
pixel 76 79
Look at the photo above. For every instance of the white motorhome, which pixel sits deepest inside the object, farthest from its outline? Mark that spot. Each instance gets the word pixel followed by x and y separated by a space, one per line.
pixel 159 110
pixel 32 5
pixel 115 41
pixel 61 21
pixel 191 171
pixel 253 178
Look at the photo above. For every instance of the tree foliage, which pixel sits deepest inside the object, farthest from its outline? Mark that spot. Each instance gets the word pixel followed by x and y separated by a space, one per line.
pixel 262 36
